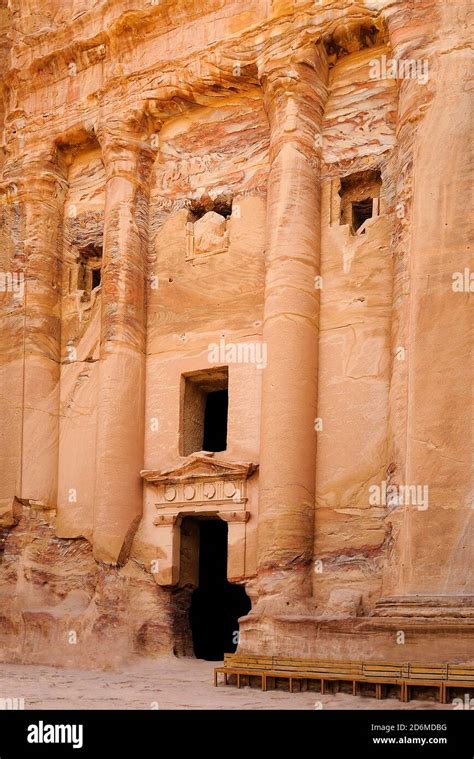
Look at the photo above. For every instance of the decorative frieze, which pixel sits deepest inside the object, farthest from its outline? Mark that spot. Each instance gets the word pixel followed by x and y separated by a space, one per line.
pixel 201 484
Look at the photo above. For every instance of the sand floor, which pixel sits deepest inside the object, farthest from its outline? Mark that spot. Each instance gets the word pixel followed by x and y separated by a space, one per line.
pixel 166 683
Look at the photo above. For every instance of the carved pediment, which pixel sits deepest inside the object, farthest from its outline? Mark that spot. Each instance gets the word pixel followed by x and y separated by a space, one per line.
pixel 200 467
pixel 201 482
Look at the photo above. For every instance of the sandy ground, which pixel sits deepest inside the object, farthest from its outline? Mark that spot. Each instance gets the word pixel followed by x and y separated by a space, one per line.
pixel 165 684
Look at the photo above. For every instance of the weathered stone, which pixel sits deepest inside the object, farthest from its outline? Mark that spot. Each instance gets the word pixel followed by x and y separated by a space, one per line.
pixel 260 205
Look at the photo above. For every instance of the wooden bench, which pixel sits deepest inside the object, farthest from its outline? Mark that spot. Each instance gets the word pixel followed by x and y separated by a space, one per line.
pixel 291 669
pixel 425 674
pixel 306 669
pixel 459 676
pixel 380 674
pixel 238 665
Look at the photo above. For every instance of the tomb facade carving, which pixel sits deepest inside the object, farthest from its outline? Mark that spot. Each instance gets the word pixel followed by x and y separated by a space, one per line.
pixel 228 236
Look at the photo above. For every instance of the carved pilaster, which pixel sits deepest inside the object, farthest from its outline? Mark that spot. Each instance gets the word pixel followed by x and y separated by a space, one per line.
pixel 294 96
pixel 36 196
pixel 428 572
pixel 128 159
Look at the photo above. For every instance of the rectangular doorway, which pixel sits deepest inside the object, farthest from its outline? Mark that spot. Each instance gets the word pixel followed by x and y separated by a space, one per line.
pixel 216 604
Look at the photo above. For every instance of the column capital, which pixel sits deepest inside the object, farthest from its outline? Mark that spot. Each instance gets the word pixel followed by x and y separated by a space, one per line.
pixel 410 27
pixel 128 143
pixel 294 94
pixel 294 69
pixel 39 176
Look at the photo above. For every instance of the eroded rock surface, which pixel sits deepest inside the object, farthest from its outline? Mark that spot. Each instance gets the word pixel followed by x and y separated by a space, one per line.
pixel 235 285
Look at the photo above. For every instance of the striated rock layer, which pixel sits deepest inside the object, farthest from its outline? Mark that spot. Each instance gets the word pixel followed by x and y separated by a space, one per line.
pixel 259 204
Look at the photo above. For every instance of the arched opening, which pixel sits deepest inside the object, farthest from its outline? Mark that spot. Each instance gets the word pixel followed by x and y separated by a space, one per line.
pixel 216 604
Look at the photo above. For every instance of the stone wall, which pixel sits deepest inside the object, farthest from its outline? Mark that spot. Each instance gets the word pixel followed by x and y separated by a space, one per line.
pixel 254 179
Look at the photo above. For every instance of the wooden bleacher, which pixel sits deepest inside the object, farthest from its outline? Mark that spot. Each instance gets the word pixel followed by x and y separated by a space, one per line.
pixel 381 674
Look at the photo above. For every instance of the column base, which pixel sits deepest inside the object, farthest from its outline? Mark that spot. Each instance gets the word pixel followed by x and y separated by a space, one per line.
pixel 282 592
pixel 389 639
pixel 431 607
pixel 283 607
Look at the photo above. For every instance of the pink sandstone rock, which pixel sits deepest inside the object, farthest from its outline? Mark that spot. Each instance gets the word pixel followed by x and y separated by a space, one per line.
pixel 265 199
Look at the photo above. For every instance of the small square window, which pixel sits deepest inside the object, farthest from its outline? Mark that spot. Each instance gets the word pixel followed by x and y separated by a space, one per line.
pixel 89 270
pixel 204 411
pixel 359 194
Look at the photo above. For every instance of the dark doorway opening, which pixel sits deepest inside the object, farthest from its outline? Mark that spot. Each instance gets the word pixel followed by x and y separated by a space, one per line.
pixel 215 421
pixel 361 212
pixel 89 269
pixel 96 278
pixel 216 604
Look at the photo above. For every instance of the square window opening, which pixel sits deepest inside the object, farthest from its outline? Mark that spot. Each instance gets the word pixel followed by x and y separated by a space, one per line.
pixel 204 411
pixel 89 269
pixel 360 198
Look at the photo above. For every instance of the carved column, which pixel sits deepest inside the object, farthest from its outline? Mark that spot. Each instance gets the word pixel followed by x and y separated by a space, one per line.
pixel 120 425
pixel 39 190
pixel 430 564
pixel 294 96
